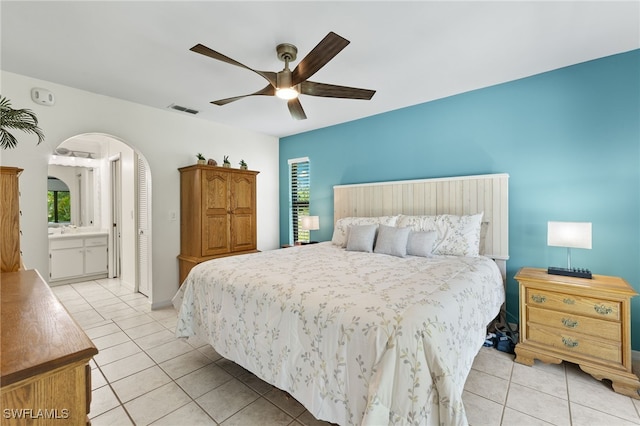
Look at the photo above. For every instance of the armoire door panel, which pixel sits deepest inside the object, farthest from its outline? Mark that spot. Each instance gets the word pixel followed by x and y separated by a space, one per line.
pixel 216 235
pixel 216 193
pixel 243 234
pixel 243 194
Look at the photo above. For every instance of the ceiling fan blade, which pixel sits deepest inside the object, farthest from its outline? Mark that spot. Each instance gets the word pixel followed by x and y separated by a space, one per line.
pixel 268 90
pixel 333 91
pixel 329 47
pixel 204 50
pixel 295 108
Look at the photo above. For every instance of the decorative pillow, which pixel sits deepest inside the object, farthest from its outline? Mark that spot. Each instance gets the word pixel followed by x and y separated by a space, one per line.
pixel 341 230
pixel 392 240
pixel 458 235
pixel 418 223
pixel 420 243
pixel 361 238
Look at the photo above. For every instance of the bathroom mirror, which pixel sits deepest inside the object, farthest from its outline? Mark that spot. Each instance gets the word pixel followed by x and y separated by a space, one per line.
pixel 70 196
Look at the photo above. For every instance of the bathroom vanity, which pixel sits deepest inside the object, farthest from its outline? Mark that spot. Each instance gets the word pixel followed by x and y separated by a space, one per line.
pixel 77 256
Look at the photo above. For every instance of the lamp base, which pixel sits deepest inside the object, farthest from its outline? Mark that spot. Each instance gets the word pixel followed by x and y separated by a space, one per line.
pixel 570 272
pixel 304 243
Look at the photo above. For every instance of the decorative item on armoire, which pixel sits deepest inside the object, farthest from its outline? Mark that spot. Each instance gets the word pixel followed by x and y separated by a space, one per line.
pixel 201 159
pixel 243 165
pixel 212 162
pixel 226 162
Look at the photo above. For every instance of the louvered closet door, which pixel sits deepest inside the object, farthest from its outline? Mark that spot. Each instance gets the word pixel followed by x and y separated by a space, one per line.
pixel 144 228
pixel 215 213
pixel 243 210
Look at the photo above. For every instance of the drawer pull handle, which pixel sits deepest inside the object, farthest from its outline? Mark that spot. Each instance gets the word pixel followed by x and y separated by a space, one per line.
pixel 538 299
pixel 569 301
pixel 569 323
pixel 602 309
pixel 570 343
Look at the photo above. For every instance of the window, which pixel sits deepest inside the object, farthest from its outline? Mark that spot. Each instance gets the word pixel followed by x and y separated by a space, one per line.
pixel 300 188
pixel 58 201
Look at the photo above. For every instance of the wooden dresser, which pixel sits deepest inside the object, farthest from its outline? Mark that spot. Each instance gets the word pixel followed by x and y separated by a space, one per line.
pixel 45 378
pixel 217 214
pixel 10 259
pixel 584 321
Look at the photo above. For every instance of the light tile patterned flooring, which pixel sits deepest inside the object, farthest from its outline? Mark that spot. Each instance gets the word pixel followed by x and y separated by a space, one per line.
pixel 144 375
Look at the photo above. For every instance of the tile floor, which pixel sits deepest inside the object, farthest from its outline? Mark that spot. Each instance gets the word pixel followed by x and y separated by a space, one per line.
pixel 144 375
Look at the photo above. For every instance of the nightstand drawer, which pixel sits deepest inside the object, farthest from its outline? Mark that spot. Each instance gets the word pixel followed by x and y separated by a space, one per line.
pixel 576 343
pixel 596 308
pixel 575 323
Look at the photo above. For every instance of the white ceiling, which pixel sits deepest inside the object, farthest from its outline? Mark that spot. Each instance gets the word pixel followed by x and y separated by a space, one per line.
pixel 410 52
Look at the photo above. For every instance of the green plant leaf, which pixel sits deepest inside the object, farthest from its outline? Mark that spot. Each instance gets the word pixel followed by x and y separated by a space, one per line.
pixel 19 119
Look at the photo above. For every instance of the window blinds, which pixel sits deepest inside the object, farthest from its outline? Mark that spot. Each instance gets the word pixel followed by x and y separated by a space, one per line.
pixel 300 188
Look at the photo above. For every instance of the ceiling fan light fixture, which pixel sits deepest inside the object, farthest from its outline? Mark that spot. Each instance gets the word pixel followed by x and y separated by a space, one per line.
pixel 284 89
pixel 287 93
pixel 287 84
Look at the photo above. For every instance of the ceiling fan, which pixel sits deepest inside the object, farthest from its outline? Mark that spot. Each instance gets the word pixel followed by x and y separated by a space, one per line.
pixel 287 84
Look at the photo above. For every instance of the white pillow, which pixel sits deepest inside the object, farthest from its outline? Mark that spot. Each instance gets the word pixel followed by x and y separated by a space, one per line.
pixel 392 240
pixel 418 223
pixel 458 235
pixel 341 230
pixel 361 238
pixel 420 243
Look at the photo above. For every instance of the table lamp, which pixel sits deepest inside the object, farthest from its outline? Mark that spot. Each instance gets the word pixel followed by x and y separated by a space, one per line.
pixel 569 235
pixel 310 223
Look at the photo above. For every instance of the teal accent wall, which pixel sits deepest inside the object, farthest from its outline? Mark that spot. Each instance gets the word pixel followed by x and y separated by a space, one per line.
pixel 569 139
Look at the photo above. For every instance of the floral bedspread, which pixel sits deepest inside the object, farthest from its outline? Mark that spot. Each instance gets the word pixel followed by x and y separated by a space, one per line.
pixel 357 338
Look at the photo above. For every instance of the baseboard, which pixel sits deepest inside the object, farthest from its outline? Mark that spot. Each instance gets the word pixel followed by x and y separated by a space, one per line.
pixel 130 286
pixel 79 279
pixel 161 305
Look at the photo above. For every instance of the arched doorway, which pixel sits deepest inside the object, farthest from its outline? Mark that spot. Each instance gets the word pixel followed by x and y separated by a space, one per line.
pixel 120 194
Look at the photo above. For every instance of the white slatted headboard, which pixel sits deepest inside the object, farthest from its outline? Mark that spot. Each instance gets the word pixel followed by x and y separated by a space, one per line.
pixel 460 195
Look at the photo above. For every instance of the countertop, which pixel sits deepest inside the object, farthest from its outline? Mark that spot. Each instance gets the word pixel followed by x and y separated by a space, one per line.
pixel 78 234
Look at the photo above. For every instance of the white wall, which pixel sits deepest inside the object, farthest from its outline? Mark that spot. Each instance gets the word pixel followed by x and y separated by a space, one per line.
pixel 167 139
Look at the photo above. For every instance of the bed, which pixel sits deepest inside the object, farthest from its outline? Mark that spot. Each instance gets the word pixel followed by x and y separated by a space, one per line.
pixel 358 336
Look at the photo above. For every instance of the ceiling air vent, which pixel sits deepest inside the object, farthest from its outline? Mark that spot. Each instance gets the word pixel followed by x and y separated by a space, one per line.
pixel 183 109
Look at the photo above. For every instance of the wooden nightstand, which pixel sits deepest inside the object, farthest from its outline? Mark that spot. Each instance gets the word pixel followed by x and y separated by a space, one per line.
pixel 584 321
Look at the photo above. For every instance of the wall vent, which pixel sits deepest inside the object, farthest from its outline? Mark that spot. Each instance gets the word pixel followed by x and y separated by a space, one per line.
pixel 183 109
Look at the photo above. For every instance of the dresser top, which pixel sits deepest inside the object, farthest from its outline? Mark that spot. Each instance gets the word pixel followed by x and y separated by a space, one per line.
pixel 38 334
pixel 598 282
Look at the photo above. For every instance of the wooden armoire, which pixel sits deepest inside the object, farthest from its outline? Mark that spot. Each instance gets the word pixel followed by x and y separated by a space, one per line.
pixel 10 257
pixel 217 214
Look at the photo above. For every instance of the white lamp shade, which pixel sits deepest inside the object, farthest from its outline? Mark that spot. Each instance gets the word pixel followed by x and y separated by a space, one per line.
pixel 569 234
pixel 310 223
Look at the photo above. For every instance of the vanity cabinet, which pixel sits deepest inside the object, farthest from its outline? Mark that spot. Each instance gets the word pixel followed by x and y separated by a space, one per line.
pixel 75 258
pixel 95 255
